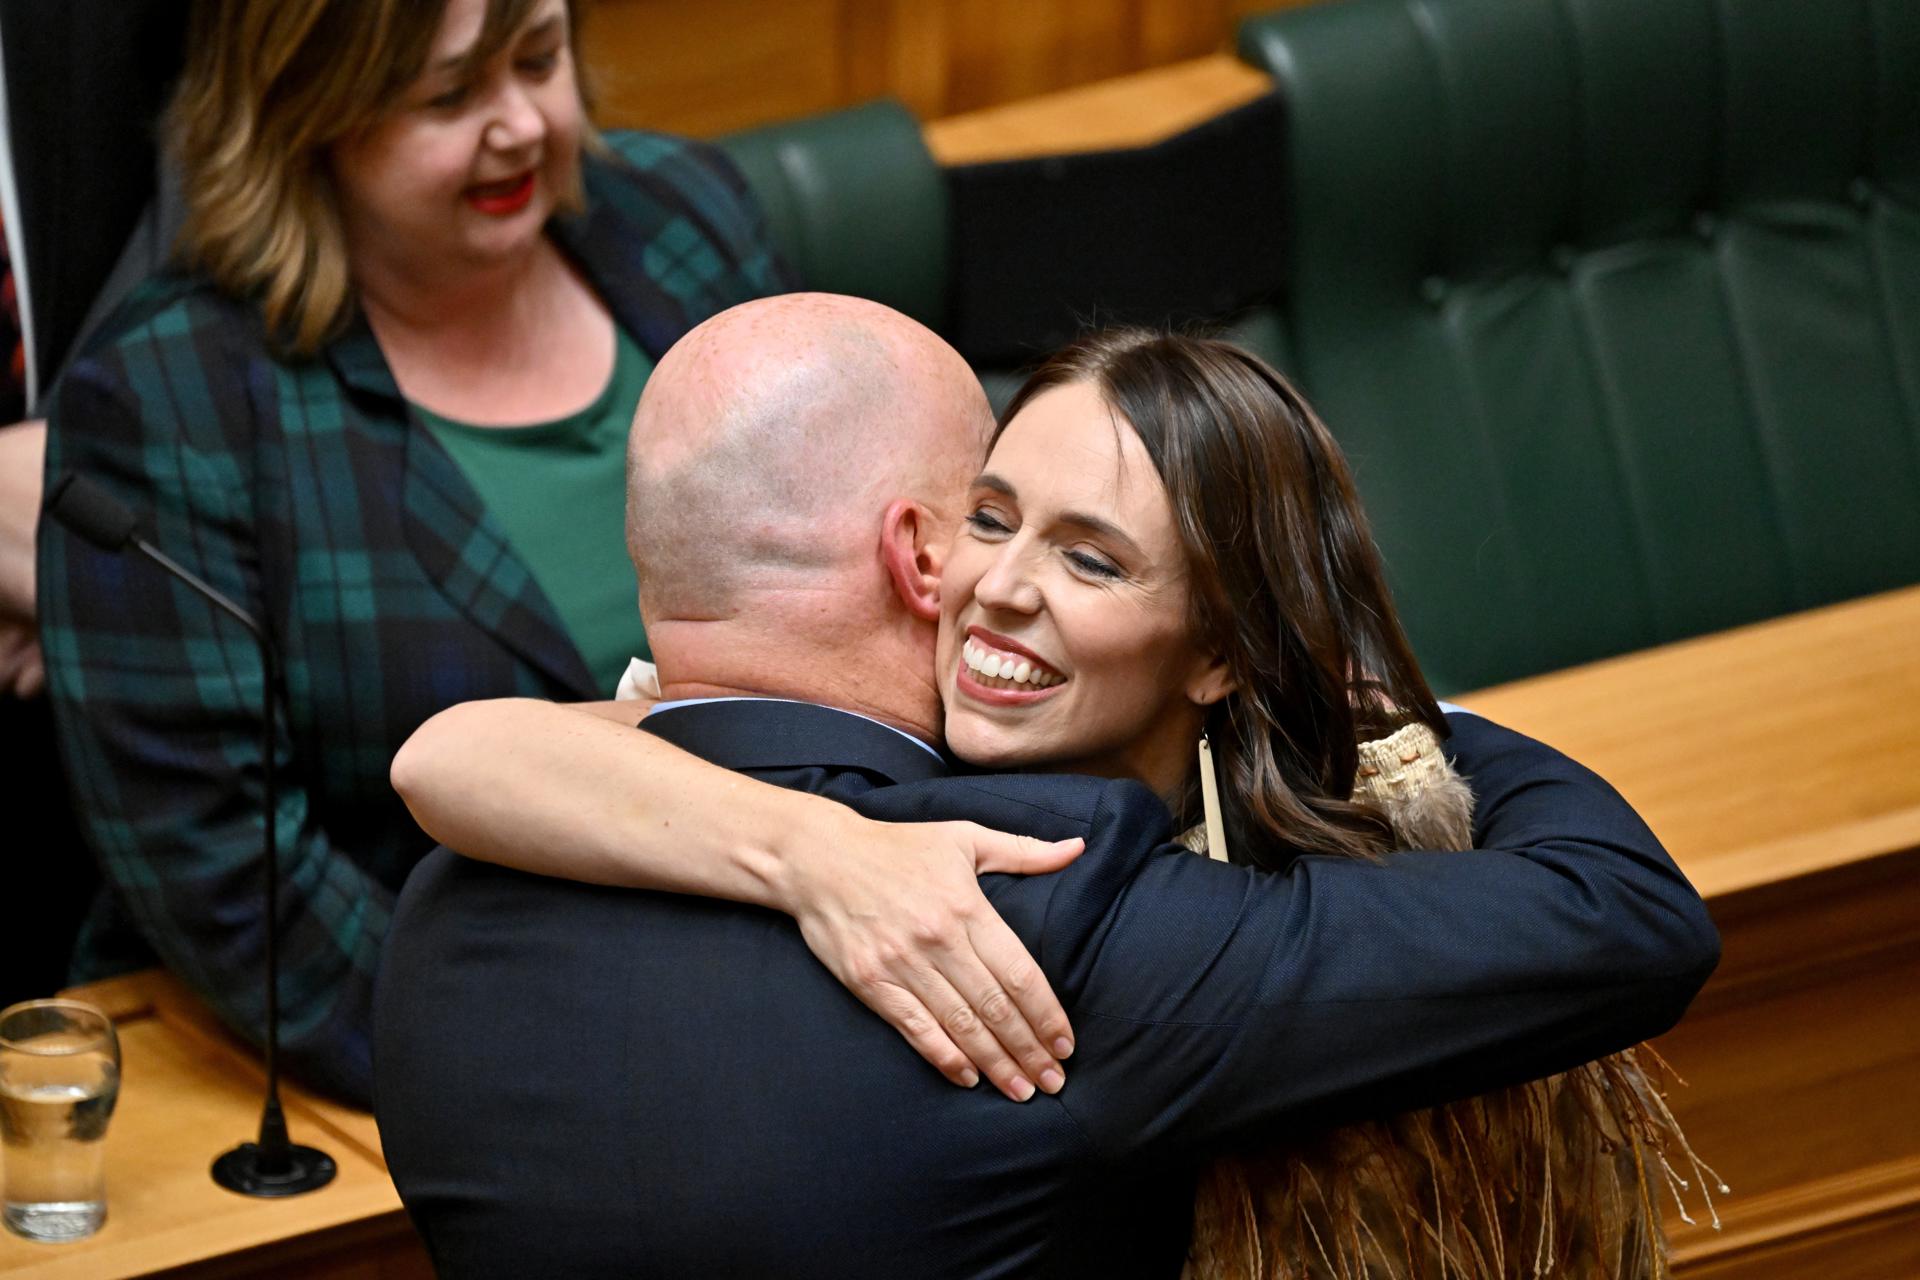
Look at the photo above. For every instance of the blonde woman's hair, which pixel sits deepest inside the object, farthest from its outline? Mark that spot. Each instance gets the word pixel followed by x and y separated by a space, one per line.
pixel 269 85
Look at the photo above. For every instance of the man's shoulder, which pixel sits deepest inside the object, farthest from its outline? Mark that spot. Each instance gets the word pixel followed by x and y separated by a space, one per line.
pixel 1044 805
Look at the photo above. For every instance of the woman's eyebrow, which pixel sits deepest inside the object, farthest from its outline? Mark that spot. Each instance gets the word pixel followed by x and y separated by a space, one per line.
pixel 1078 519
pixel 1105 528
pixel 988 480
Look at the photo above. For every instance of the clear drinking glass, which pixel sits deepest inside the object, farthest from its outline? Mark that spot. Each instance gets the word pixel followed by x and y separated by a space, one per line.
pixel 59 1077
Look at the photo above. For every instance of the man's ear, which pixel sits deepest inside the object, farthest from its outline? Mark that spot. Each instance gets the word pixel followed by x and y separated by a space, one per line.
pixel 1212 682
pixel 912 555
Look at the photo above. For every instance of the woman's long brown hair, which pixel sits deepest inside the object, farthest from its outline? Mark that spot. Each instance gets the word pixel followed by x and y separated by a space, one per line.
pixel 1287 586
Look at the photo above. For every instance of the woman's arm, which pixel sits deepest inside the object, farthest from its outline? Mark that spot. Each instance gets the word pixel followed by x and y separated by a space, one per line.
pixel 894 911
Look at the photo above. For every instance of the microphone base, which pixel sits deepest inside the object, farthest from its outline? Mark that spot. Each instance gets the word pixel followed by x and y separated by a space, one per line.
pixel 249 1170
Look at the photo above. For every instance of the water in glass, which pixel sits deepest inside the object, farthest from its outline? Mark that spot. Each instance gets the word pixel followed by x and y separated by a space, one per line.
pixel 59 1078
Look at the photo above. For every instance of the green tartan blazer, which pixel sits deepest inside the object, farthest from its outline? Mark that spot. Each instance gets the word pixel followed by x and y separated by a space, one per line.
pixel 305 491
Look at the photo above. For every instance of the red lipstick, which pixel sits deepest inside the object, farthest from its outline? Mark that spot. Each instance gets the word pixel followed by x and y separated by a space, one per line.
pixel 500 199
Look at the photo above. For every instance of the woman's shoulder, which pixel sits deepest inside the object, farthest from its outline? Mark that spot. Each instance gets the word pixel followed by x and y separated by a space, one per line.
pixel 666 156
pixel 664 170
pixel 177 358
pixel 170 317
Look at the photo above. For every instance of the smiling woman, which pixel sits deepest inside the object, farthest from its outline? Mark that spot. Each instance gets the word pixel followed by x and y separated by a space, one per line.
pixel 1069 561
pixel 381 400
pixel 269 89
pixel 1173 528
pixel 485 148
pixel 1169 528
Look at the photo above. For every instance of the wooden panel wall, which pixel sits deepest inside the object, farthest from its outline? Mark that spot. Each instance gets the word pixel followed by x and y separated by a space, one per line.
pixel 706 66
pixel 1802 1056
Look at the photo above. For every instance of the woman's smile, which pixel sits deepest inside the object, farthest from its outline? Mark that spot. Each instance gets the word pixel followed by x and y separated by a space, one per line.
pixel 1002 672
pixel 504 198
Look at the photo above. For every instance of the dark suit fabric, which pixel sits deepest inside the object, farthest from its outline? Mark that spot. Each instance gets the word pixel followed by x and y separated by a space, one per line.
pixel 583 1081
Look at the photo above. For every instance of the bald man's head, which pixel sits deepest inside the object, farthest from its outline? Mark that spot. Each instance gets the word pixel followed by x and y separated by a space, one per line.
pixel 770 440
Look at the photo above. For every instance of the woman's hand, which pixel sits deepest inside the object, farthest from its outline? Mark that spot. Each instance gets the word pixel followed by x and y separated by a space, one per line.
pixel 23 669
pixel 895 911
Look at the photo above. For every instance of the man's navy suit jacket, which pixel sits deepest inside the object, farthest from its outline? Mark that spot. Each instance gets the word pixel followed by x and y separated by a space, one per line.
pixel 582 1081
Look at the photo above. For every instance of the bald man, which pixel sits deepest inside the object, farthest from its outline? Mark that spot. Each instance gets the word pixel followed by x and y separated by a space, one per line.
pixel 784 438
pixel 581 1081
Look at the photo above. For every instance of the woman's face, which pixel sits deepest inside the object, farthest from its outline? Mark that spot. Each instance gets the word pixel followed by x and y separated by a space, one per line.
pixel 1064 638
pixel 473 161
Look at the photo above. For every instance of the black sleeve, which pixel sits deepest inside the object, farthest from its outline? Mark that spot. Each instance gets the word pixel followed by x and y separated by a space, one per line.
pixel 1212 1002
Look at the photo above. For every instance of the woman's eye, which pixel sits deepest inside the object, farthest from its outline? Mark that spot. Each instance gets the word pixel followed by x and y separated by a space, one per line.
pixel 540 64
pixel 448 100
pixel 1089 563
pixel 987 522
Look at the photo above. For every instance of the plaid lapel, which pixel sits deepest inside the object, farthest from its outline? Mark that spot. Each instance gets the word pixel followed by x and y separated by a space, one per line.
pixel 667 238
pixel 458 542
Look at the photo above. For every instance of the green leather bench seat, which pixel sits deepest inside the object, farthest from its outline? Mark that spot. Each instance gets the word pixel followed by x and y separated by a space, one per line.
pixel 1615 304
pixel 1009 260
pixel 856 203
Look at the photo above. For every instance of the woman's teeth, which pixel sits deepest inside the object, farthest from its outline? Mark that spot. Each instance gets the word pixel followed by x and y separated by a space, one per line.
pixel 1004 670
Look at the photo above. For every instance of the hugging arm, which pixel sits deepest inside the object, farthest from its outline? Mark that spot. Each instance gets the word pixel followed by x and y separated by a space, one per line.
pixel 896 912
pixel 1216 1002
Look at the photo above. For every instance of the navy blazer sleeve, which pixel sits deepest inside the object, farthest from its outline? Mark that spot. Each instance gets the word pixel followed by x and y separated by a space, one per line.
pixel 1214 1004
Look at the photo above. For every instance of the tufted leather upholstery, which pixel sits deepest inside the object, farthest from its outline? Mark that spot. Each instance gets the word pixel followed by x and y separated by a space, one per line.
pixel 988 255
pixel 1615 304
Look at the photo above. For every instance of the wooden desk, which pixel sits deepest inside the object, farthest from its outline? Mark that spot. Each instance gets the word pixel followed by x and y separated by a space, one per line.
pixel 189 1091
pixel 1780 763
pixel 1128 111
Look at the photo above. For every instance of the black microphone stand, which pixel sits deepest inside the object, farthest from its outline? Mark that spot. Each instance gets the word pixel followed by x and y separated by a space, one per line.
pixel 274 1165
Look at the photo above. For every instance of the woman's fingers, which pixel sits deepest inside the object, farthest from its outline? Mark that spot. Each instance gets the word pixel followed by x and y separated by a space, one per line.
pixel 1001 950
pixel 941 1025
pixel 967 1004
pixel 909 1015
pixel 1019 855
pixel 1015 999
pixel 930 985
pixel 984 1016
pixel 978 1038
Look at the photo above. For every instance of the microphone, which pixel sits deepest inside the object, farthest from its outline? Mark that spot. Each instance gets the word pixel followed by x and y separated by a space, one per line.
pixel 273 1166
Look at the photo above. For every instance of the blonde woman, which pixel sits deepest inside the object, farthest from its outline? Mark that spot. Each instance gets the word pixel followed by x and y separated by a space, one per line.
pixel 383 402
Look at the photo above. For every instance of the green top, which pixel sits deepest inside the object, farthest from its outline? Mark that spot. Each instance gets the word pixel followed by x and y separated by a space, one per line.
pixel 559 488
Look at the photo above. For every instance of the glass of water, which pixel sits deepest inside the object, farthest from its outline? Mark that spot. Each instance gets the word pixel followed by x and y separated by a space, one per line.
pixel 59 1077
